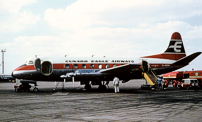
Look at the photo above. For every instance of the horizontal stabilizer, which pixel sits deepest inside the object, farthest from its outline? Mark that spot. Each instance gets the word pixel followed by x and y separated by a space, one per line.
pixel 186 60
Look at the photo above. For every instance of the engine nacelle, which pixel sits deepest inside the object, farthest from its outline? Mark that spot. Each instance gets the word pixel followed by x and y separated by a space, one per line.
pixel 45 67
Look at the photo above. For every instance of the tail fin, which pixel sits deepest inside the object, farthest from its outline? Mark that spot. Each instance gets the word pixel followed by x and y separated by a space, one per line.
pixel 175 50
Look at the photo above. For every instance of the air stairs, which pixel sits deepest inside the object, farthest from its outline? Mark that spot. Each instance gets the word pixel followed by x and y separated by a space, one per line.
pixel 151 77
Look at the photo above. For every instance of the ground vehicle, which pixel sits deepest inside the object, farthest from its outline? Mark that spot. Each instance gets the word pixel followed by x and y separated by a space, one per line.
pixel 189 83
pixel 176 77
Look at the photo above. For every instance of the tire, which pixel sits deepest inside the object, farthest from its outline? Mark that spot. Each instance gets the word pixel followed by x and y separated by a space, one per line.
pixel 141 88
pixel 35 89
pixel 187 87
pixel 87 87
pixel 102 87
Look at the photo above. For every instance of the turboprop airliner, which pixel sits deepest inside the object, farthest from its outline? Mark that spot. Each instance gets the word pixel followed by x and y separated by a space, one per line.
pixel 93 71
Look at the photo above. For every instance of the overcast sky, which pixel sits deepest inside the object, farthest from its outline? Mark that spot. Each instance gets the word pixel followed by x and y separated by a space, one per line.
pixel 112 28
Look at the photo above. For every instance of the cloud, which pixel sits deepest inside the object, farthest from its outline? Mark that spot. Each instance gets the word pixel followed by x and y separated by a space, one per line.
pixel 110 13
pixel 18 22
pixel 14 6
pixel 102 41
pixel 88 13
pixel 15 20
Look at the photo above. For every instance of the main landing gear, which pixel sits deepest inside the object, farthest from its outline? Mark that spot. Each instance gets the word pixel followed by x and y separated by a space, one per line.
pixel 87 87
pixel 102 85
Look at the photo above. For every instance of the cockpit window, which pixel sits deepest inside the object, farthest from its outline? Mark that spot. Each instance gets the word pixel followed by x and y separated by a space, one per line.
pixel 30 62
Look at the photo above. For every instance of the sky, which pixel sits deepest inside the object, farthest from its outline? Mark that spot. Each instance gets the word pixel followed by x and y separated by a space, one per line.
pixel 111 28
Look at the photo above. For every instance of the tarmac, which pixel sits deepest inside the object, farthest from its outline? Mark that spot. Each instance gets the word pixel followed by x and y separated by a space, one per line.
pixel 76 104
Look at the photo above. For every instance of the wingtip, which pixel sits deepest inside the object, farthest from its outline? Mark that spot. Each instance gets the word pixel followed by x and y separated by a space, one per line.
pixel 198 53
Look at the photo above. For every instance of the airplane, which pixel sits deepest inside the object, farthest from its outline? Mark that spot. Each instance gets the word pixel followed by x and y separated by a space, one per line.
pixel 94 71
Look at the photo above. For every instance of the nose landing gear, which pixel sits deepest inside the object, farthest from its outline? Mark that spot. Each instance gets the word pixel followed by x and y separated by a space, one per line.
pixel 24 85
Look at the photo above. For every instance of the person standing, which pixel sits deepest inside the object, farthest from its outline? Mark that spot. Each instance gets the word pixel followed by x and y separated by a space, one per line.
pixel 159 80
pixel 116 84
pixel 162 82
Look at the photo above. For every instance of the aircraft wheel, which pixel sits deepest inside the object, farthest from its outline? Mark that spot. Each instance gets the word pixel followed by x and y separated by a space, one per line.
pixel 35 89
pixel 197 89
pixel 187 87
pixel 87 87
pixel 141 87
pixel 102 87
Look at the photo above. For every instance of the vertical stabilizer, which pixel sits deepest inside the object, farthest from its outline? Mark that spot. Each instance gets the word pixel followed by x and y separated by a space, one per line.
pixel 175 50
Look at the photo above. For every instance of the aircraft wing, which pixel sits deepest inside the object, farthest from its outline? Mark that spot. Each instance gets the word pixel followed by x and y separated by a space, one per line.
pixel 122 68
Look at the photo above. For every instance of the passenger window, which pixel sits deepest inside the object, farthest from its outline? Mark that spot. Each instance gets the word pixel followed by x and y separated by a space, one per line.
pixel 83 66
pixel 76 66
pixel 67 66
pixel 100 66
pixel 92 66
pixel 107 66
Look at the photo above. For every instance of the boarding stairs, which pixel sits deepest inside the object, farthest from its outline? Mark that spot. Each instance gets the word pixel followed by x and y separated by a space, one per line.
pixel 151 77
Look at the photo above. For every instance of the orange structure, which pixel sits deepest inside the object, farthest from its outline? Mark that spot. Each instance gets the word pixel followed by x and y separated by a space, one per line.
pixel 177 76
